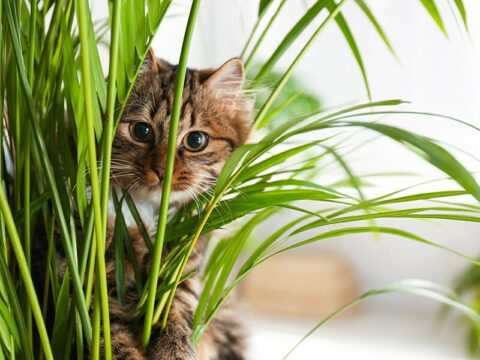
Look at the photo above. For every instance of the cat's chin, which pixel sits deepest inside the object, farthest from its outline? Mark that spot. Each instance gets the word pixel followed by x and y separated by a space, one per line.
pixel 147 202
pixel 153 195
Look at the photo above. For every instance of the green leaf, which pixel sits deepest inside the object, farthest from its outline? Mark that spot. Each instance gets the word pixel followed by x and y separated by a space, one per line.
pixel 291 36
pixel 8 327
pixel 138 221
pixel 366 10
pixel 16 309
pixel 232 209
pixel 433 153
pixel 264 4
pixel 347 33
pixel 415 287
pixel 434 13
pixel 138 22
pixel 233 162
pixel 448 213
pixel 462 11
pixel 226 255
pixel 61 319
pixel 372 229
pixel 276 159
pixel 119 238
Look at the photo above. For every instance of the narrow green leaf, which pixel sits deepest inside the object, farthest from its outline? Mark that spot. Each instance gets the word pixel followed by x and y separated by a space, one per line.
pixel 290 38
pixel 432 9
pixel 462 11
pixel 61 319
pixel 14 303
pixel 276 159
pixel 415 287
pixel 433 153
pixel 366 10
pixel 232 209
pixel 9 328
pixel 374 229
pixel 264 4
pixel 266 29
pixel 138 221
pixel 414 213
pixel 347 33
pixel 233 162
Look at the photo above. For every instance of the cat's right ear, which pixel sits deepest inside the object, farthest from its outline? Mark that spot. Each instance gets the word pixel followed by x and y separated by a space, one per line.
pixel 228 79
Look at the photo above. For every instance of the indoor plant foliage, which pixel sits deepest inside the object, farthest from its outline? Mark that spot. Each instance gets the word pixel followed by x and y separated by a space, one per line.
pixel 52 84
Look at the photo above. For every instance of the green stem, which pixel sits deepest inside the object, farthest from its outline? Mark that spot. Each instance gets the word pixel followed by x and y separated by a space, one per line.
pixel 262 36
pixel 95 351
pixel 278 88
pixel 25 273
pixel 26 171
pixel 167 181
pixel 82 9
pixel 163 300
pixel 111 96
pixel 254 30
pixel 90 275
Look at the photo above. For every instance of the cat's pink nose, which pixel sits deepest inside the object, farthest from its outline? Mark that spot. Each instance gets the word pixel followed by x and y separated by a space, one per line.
pixel 159 170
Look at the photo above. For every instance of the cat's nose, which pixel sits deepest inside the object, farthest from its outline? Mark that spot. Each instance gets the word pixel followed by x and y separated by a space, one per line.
pixel 159 170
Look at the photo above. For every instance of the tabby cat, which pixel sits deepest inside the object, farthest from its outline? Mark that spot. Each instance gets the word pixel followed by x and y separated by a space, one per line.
pixel 215 120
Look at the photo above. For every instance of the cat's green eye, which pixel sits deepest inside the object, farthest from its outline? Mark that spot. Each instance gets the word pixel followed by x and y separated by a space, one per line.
pixel 141 131
pixel 195 141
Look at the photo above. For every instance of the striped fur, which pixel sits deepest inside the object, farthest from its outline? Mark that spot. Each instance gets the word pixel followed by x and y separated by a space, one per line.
pixel 212 104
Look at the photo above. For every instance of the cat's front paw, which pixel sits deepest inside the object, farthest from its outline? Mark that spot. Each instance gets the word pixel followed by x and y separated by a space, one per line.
pixel 172 345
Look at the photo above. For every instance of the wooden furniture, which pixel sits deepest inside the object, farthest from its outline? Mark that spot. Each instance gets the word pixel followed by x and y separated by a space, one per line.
pixel 300 285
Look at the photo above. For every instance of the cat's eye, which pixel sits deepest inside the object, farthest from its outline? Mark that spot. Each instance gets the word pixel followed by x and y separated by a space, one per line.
pixel 141 131
pixel 195 141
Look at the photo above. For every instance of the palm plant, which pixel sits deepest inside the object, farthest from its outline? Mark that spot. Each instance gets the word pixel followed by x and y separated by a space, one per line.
pixel 52 80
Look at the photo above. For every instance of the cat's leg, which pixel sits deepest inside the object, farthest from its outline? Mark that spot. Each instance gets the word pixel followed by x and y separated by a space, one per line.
pixel 124 332
pixel 224 338
pixel 175 342
pixel 125 345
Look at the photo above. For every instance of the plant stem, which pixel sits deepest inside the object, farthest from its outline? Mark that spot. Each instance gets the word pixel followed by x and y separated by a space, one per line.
pixel 254 30
pixel 95 351
pixel 167 181
pixel 262 36
pixel 26 170
pixel 82 9
pixel 25 273
pixel 111 96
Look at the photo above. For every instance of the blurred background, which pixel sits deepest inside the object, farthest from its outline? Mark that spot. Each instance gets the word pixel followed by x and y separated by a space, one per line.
pixel 435 74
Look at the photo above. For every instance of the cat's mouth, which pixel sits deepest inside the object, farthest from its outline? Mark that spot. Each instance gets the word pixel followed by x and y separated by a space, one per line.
pixel 149 187
pixel 153 194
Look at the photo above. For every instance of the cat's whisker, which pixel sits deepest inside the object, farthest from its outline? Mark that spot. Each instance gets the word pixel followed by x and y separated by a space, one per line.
pixel 208 201
pixel 116 171
pixel 193 196
pixel 121 161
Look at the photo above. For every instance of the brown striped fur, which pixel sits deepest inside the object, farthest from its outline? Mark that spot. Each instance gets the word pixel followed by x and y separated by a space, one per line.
pixel 212 103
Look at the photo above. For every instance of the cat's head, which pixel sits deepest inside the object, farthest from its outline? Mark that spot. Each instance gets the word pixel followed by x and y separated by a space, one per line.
pixel 215 119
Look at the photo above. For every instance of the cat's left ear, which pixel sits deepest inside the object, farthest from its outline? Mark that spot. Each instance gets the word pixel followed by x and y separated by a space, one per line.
pixel 228 79
pixel 149 65
pixel 153 65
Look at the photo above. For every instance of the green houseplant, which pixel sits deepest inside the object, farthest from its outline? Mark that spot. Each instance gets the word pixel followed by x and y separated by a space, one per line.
pixel 52 79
